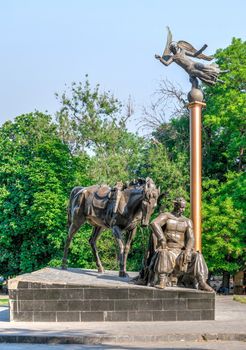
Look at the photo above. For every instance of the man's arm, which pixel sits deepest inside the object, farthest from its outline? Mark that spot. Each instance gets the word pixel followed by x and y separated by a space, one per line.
pixel 166 63
pixel 189 239
pixel 197 53
pixel 156 226
pixel 189 243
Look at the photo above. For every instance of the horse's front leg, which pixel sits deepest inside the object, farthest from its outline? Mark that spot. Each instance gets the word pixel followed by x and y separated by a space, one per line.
pixel 118 237
pixel 129 237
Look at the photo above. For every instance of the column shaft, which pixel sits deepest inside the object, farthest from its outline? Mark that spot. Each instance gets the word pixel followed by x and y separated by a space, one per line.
pixel 196 169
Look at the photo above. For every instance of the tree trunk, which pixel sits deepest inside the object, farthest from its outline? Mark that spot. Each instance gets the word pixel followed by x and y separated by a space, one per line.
pixel 226 280
pixel 240 160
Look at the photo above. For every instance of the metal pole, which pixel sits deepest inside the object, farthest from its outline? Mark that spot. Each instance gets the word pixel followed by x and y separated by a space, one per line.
pixel 196 169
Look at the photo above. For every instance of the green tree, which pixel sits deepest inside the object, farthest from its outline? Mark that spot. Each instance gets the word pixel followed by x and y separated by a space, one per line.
pixel 224 118
pixel 174 135
pixel 92 122
pixel 36 174
pixel 166 173
pixel 224 233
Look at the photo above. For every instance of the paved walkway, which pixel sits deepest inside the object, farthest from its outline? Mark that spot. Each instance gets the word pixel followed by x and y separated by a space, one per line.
pixel 137 346
pixel 230 325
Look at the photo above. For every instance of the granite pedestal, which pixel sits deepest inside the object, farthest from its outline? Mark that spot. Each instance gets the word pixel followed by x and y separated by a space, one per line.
pixel 77 295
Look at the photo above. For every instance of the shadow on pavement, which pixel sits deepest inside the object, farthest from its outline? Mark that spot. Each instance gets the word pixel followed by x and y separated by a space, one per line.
pixel 4 314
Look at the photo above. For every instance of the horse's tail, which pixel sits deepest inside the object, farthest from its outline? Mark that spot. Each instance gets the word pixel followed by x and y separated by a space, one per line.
pixel 74 193
pixel 69 220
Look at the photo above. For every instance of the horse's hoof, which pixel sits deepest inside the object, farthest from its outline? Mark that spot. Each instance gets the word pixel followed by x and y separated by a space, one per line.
pixel 139 282
pixel 159 286
pixel 64 267
pixel 123 274
pixel 100 270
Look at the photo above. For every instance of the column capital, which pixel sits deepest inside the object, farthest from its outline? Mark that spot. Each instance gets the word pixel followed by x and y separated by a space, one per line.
pixel 196 103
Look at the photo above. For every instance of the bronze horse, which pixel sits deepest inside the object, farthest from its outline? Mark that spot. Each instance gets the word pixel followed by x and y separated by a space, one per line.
pixel 93 204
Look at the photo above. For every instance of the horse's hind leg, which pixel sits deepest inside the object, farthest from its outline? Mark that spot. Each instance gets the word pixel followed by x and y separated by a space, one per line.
pixel 72 230
pixel 97 230
pixel 129 237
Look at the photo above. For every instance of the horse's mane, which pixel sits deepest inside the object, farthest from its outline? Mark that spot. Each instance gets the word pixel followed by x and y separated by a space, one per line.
pixel 136 183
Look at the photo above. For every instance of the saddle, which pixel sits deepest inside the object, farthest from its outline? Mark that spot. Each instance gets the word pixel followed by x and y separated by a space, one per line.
pixel 101 197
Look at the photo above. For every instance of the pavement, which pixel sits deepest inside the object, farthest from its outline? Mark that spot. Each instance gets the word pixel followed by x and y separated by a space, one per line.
pixel 229 326
pixel 167 346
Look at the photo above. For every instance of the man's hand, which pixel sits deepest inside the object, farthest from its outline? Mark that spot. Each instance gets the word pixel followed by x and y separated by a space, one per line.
pixel 163 244
pixel 187 256
pixel 158 57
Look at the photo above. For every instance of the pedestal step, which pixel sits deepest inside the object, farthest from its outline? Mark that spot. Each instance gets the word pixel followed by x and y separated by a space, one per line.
pixel 53 295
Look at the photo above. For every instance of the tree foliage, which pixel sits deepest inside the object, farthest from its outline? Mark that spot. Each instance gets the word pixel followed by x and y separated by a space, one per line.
pixel 35 175
pixel 224 232
pixel 92 122
pixel 224 118
pixel 166 174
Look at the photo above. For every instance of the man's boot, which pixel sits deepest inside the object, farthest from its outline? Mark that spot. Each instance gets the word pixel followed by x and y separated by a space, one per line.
pixel 162 282
pixel 202 285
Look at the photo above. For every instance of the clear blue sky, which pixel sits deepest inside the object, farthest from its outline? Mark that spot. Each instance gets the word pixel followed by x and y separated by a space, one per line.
pixel 47 43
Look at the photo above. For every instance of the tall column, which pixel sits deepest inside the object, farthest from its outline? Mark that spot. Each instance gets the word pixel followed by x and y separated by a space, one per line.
pixel 196 169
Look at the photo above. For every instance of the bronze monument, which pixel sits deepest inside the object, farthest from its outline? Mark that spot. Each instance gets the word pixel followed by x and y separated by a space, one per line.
pixel 121 209
pixel 171 258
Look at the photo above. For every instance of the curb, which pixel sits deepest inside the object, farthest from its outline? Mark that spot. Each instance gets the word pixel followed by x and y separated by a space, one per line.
pixel 102 339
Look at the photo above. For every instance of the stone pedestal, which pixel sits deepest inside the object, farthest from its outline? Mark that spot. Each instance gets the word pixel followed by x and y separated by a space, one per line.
pixel 76 295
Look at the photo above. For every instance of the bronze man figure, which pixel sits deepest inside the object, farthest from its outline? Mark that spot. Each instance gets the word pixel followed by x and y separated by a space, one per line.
pixel 171 252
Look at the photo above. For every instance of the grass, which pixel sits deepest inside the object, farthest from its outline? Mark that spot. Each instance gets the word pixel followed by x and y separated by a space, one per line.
pixel 4 302
pixel 240 298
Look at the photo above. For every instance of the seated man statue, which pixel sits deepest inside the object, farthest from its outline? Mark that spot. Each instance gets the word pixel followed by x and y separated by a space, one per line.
pixel 171 252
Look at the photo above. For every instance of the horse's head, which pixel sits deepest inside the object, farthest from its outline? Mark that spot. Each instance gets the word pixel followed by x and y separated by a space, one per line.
pixel 151 194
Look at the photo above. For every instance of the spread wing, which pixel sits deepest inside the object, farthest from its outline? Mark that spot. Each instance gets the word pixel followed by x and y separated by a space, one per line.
pixel 188 47
pixel 166 53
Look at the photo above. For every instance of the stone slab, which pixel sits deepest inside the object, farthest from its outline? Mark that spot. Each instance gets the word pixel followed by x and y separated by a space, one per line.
pixel 77 295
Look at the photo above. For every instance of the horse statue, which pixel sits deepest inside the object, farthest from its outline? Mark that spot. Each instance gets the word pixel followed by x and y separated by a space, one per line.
pixel 95 205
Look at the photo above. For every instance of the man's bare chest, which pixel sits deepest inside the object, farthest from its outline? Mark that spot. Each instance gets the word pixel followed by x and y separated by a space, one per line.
pixel 174 225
